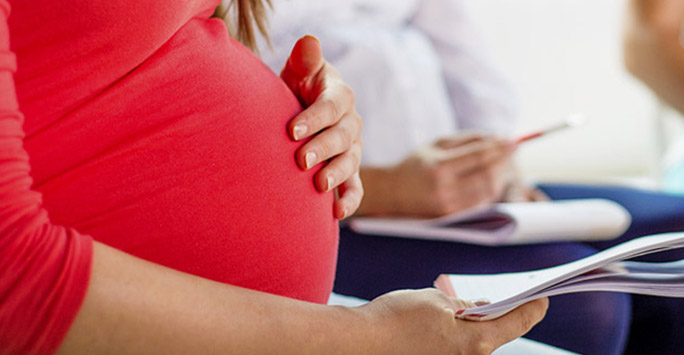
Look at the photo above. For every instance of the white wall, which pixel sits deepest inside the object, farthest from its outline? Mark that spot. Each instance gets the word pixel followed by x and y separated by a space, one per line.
pixel 563 56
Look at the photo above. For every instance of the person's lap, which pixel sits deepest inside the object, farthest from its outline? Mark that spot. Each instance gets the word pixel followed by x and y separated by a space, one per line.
pixel 652 212
pixel 656 325
pixel 587 322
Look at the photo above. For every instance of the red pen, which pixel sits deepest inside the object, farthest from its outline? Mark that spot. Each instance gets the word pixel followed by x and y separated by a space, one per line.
pixel 572 121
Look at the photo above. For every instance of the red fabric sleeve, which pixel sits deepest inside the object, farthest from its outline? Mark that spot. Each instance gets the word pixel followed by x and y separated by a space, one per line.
pixel 44 269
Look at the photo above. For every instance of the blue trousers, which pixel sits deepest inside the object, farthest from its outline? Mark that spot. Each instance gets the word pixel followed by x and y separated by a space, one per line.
pixel 588 323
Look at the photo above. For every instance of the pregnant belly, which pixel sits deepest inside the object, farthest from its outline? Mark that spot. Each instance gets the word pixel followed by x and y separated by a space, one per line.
pixel 186 162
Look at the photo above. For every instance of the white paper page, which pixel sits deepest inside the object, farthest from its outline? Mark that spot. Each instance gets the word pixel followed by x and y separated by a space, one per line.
pixel 336 299
pixel 671 286
pixel 510 223
pixel 586 219
pixel 513 287
pixel 651 284
pixel 524 346
pixel 674 267
pixel 501 286
pixel 481 212
pixel 440 228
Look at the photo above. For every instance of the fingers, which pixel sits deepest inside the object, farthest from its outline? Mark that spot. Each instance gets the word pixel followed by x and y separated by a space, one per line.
pixel 350 195
pixel 481 188
pixel 330 118
pixel 333 141
pixel 305 61
pixel 537 195
pixel 339 169
pixel 478 155
pixel 459 140
pixel 476 188
pixel 461 305
pixel 443 284
pixel 522 193
pixel 318 86
pixel 335 101
pixel 516 323
pixel 490 180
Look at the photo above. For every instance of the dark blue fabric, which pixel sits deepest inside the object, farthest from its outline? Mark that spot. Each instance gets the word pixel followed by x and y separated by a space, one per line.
pixel 658 323
pixel 588 323
pixel 652 212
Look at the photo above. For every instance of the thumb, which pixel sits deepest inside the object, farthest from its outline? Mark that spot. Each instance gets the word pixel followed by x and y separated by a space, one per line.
pixel 459 140
pixel 305 60
pixel 515 323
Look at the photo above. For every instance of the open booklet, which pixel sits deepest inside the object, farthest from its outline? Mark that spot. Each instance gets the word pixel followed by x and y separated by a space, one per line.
pixel 511 223
pixel 604 271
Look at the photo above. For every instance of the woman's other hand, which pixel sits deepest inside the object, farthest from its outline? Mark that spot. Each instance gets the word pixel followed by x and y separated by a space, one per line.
pixel 423 322
pixel 448 176
pixel 330 119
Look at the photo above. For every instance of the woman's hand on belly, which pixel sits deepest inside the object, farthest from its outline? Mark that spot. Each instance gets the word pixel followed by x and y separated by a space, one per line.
pixel 330 118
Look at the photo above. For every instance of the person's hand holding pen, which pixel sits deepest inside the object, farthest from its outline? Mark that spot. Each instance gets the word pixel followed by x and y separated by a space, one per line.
pixel 448 176
pixel 452 175
pixel 519 191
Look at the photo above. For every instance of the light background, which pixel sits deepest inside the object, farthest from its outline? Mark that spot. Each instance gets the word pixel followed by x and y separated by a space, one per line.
pixel 564 56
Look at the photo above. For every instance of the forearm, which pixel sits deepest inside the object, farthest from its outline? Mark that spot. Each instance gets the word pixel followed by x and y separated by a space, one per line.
pixel 653 49
pixel 133 306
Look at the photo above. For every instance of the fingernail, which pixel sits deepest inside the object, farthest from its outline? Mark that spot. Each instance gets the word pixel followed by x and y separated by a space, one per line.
pixel 460 311
pixel 330 182
pixel 345 211
pixel 310 159
pixel 313 37
pixel 481 302
pixel 299 131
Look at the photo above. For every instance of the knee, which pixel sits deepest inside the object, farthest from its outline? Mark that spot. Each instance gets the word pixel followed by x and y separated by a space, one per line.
pixel 600 321
pixel 609 312
pixel 586 323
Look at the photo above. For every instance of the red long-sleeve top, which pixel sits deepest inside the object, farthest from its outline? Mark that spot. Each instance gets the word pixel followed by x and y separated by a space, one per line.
pixel 143 125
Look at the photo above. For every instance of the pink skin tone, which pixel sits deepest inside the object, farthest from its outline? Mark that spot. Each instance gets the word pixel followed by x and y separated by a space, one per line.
pixel 329 120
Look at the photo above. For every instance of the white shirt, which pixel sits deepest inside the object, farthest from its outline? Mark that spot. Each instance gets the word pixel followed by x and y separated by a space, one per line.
pixel 417 68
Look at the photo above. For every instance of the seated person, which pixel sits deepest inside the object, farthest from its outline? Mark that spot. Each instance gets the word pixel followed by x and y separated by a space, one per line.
pixel 654 47
pixel 654 53
pixel 143 127
pixel 420 74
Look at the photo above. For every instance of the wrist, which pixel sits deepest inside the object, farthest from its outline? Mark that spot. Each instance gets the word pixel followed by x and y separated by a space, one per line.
pixel 348 330
pixel 379 190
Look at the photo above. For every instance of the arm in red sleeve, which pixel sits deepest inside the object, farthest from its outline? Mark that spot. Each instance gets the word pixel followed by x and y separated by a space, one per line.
pixel 44 269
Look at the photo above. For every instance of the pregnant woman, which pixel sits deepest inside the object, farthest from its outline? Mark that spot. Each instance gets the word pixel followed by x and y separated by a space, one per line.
pixel 143 127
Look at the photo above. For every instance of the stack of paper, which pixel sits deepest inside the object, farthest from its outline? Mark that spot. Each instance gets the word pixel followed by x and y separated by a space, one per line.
pixel 604 271
pixel 510 223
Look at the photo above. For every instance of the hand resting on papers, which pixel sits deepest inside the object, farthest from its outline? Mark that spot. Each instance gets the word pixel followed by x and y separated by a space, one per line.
pixel 448 176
